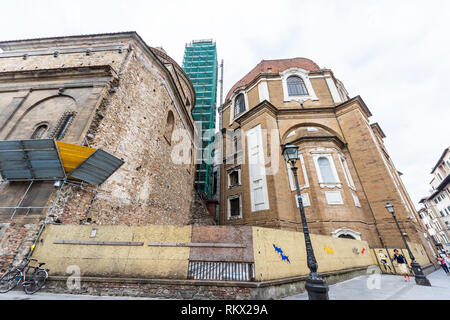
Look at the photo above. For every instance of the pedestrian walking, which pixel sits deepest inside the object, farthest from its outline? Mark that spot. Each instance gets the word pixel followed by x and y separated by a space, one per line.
pixel 383 260
pixel 443 263
pixel 402 265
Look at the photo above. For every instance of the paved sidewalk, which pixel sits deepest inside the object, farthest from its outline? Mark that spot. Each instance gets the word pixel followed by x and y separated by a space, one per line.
pixel 389 287
pixel 21 295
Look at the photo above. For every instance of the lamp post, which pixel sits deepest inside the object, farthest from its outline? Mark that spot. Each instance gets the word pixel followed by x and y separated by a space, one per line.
pixel 419 276
pixel 315 286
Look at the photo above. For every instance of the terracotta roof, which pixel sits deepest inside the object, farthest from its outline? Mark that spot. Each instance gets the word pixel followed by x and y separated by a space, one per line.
pixel 277 66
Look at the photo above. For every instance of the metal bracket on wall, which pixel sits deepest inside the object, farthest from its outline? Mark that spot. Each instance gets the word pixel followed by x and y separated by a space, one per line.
pixel 99 243
pixel 197 245
pixel 21 200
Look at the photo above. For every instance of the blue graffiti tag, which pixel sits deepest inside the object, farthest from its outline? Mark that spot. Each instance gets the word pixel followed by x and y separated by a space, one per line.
pixel 283 256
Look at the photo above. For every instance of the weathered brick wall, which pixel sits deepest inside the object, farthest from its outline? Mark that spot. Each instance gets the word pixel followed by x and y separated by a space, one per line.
pixel 127 119
pixel 15 244
pixel 149 188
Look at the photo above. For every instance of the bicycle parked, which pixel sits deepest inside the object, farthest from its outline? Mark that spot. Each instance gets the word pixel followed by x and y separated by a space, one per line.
pixel 31 282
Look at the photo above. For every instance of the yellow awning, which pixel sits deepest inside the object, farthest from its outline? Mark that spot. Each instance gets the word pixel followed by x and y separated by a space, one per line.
pixel 72 155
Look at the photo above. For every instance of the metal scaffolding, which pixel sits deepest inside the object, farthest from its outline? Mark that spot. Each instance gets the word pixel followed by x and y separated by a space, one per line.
pixel 201 66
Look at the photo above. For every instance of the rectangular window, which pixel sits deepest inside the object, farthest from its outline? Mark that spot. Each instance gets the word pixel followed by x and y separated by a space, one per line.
pixel 235 208
pixel 334 198
pixel 442 214
pixel 234 178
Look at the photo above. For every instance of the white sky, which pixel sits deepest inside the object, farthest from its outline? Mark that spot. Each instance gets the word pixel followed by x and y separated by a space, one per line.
pixel 394 54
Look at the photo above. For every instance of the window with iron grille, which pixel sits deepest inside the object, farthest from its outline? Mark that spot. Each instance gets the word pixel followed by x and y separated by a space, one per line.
pixel 296 86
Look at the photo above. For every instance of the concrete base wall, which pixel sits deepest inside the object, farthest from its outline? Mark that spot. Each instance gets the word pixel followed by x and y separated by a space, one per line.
pixel 194 290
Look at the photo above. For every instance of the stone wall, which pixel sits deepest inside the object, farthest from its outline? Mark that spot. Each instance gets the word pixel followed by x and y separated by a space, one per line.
pixel 15 243
pixel 121 93
pixel 149 188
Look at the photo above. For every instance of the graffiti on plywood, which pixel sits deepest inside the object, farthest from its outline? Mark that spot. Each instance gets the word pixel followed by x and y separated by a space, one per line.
pixel 328 250
pixel 283 256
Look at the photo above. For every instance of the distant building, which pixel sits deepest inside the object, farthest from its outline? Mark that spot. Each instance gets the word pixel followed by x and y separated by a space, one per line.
pixel 346 174
pixel 438 202
pixel 433 227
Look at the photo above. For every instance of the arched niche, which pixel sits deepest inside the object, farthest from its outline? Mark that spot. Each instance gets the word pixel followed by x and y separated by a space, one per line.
pixel 346 233
pixel 309 131
pixel 49 110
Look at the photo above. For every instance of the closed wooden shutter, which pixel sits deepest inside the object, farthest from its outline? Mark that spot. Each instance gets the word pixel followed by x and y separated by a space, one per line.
pixel 258 184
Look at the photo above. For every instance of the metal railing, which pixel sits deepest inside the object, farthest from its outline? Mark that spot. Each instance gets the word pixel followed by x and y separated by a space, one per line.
pixel 221 271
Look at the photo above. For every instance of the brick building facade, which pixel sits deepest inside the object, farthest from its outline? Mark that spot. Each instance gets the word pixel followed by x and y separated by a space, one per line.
pixel 107 91
pixel 346 174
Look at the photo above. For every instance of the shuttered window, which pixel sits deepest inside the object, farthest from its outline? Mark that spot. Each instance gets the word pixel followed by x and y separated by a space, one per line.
pixel 258 183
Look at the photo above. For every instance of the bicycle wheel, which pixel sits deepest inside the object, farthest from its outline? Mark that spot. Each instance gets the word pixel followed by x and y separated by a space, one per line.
pixel 36 282
pixel 9 281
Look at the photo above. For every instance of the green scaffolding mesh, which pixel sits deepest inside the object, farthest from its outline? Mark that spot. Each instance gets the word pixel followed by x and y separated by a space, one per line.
pixel 200 64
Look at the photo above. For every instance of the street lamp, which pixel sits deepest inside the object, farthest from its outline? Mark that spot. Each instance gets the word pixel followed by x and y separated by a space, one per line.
pixel 419 276
pixel 315 286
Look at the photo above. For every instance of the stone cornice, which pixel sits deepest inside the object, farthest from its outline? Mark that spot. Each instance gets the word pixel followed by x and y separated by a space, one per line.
pixel 39 74
pixel 376 127
pixel 265 105
pixel 282 111
pixel 358 101
pixel 335 139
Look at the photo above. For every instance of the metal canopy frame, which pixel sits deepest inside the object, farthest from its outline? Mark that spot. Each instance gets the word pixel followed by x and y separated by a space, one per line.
pixel 40 160
pixel 31 160
pixel 97 168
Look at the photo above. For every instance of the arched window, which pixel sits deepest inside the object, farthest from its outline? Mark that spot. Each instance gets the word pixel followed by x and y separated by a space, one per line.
pixel 345 233
pixel 325 170
pixel 39 132
pixel 296 86
pixel 170 125
pixel 346 236
pixel 239 104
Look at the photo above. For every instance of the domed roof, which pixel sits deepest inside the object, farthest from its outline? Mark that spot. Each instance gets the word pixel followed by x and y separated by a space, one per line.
pixel 277 66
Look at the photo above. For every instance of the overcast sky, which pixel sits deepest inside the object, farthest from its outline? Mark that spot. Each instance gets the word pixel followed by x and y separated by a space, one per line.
pixel 394 54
